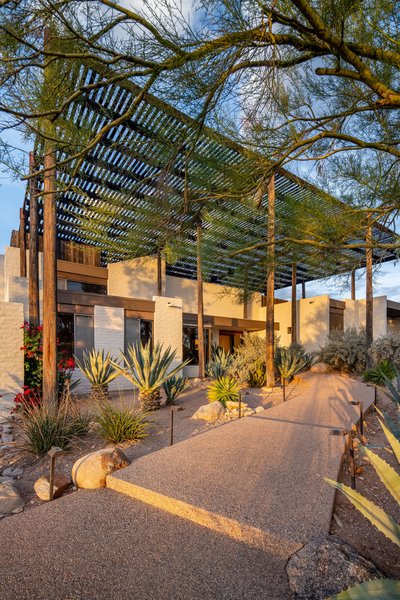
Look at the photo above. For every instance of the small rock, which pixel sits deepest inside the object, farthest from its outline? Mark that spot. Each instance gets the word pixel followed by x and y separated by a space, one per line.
pixel 210 412
pixel 321 368
pixel 7 438
pixel 16 511
pixel 2 516
pixel 231 405
pixel 5 478
pixel 10 498
pixel 259 409
pixel 90 471
pixel 12 472
pixel 326 566
pixel 4 448
pixel 42 487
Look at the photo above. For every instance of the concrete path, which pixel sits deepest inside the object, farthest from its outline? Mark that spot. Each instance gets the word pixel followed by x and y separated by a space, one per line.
pixel 213 517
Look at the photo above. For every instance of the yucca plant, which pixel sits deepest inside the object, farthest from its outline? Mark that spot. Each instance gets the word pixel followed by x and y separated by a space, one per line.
pixel 379 374
pixel 118 425
pixel 148 368
pixel 383 588
pixel 219 364
pixel 99 369
pixel 173 387
pixel 290 362
pixel 223 389
pixel 393 388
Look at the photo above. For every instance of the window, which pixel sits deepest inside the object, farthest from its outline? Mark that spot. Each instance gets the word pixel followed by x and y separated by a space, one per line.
pixel 137 330
pixel 75 334
pixel 336 319
pixel 87 288
pixel 191 344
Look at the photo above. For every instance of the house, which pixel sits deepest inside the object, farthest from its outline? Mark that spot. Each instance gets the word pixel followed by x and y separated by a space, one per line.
pixel 114 306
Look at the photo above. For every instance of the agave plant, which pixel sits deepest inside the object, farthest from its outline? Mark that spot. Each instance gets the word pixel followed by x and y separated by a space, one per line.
pixel 99 369
pixel 223 389
pixel 385 370
pixel 219 364
pixel 393 388
pixel 148 369
pixel 290 362
pixel 383 588
pixel 173 387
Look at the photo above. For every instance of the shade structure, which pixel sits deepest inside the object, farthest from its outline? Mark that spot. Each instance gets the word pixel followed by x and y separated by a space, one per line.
pixel 158 165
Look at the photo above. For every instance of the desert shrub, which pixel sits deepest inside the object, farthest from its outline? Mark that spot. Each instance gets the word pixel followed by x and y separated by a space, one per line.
pixel 384 370
pixel 219 363
pixel 386 348
pixel 118 425
pixel 42 428
pixel 346 350
pixel 223 389
pixel 99 370
pixel 289 361
pixel 248 361
pixel 173 387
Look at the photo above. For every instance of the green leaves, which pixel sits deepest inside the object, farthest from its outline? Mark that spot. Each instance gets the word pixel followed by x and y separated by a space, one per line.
pixel 223 389
pixel 98 367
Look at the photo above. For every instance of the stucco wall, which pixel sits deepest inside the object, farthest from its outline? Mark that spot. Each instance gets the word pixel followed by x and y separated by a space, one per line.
pixel 2 261
pixel 11 356
pixel 354 315
pixel 168 323
pixel 133 278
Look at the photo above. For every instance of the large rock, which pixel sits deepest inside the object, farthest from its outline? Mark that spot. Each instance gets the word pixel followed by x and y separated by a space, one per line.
pixel 10 498
pixel 210 412
pixel 42 486
pixel 327 566
pixel 321 368
pixel 231 405
pixel 90 471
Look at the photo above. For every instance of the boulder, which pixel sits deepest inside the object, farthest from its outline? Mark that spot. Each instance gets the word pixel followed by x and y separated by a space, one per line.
pixel 91 470
pixel 259 409
pixel 42 487
pixel 327 566
pixel 231 405
pixel 321 368
pixel 10 498
pixel 210 412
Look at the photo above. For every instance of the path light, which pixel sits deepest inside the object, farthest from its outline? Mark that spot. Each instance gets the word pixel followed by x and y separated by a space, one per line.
pixel 53 453
pixel 350 451
pixel 171 429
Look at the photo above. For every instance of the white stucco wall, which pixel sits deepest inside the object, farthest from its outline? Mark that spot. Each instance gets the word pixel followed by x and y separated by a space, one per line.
pixel 11 356
pixel 168 323
pixel 2 261
pixel 354 315
pixel 133 278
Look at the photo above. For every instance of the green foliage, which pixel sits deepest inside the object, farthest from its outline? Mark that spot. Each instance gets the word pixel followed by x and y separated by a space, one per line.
pixel 378 589
pixel 223 389
pixel 386 347
pixel 219 364
pixel 393 388
pixel 378 375
pixel 346 351
pixel 98 367
pixel 119 425
pixel 248 361
pixel 42 429
pixel 257 376
pixel 290 360
pixel 173 387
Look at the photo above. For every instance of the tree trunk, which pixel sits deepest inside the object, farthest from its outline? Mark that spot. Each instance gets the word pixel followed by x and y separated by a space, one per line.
pixel 294 303
pixel 159 274
pixel 22 243
pixel 200 308
pixel 369 289
pixel 149 401
pixel 303 289
pixel 353 284
pixel 34 312
pixel 270 287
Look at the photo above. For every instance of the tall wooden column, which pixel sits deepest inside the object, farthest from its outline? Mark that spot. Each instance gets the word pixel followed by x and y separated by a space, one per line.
pixel 22 243
pixel 303 289
pixel 353 284
pixel 294 303
pixel 245 294
pixel 50 398
pixel 369 301
pixel 200 306
pixel 34 314
pixel 270 287
pixel 159 274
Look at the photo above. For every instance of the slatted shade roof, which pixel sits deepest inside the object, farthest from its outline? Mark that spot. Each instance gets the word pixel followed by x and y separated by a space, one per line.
pixel 148 167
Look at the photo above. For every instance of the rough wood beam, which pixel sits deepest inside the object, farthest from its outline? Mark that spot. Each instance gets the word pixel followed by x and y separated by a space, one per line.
pixel 303 289
pixel 34 313
pixel 200 306
pixel 270 285
pixel 294 303
pixel 22 243
pixel 353 284
pixel 369 325
pixel 159 275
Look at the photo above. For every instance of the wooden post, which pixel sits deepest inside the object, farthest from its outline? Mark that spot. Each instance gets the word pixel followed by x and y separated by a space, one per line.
pixel 294 303
pixel 50 398
pixel 245 294
pixel 159 274
pixel 200 307
pixel 270 286
pixel 303 289
pixel 22 243
pixel 353 284
pixel 34 314
pixel 369 301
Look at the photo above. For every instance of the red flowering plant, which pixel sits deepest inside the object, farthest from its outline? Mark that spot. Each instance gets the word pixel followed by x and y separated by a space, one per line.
pixel 33 368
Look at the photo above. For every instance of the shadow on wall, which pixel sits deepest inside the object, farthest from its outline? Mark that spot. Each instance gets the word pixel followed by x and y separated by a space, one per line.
pixel 313 322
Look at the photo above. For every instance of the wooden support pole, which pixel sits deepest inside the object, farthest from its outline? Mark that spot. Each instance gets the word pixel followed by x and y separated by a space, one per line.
pixel 270 287
pixel 50 398
pixel 200 307
pixel 369 300
pixel 294 303
pixel 22 243
pixel 353 284
pixel 34 314
pixel 159 274
pixel 245 294
pixel 303 289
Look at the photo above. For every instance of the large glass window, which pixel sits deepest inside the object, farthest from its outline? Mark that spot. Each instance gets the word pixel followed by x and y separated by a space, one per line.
pixel 137 330
pixel 191 344
pixel 88 288
pixel 75 334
